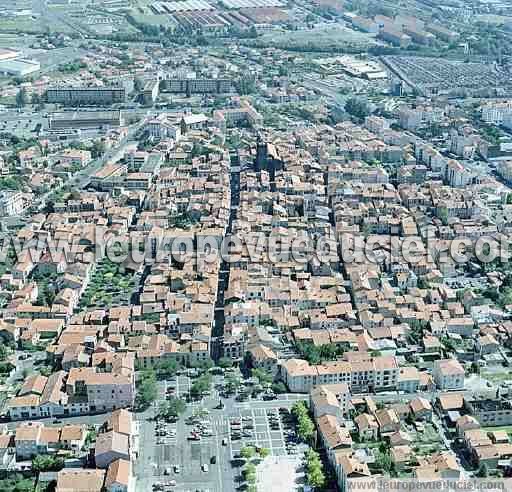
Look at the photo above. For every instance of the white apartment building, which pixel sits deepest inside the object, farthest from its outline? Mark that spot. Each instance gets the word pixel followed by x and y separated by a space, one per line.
pixel 496 113
pixel 11 203
pixel 163 127
pixel 448 374
pixel 331 399
pixel 361 376
pixel 505 170
pixel 108 391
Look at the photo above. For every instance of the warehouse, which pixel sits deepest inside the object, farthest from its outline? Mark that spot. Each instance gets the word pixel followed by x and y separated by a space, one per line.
pixel 85 119
pixel 19 67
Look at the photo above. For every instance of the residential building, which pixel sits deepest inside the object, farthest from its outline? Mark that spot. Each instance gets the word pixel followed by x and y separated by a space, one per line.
pixel 86 95
pixel 448 374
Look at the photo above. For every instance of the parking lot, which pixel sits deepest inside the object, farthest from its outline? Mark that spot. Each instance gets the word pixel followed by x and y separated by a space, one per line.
pixel 22 125
pixel 263 428
pixel 170 459
pixel 173 455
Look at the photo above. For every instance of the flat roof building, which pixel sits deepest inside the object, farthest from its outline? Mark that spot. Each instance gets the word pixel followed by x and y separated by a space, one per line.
pixel 85 119
pixel 86 95
pixel 19 67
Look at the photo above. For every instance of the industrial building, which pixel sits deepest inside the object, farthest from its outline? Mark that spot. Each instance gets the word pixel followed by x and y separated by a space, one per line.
pixel 85 119
pixel 86 95
pixel 19 67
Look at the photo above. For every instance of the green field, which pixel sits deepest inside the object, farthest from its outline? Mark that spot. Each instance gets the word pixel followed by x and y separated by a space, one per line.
pixel 25 24
pixel 32 26
pixel 329 38
pixel 152 19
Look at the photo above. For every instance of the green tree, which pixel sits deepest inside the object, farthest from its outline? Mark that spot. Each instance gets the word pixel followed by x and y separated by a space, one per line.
pixel 262 376
pixel 201 385
pixel 279 387
pixel 98 149
pixel 249 469
pixel 247 452
pixel 147 390
pixel 45 462
pixel 16 483
pixel 204 365
pixel 3 352
pixel 246 85
pixel 305 425
pixel 328 352
pixel 21 98
pixel 357 107
pixel 305 429
pixel 299 408
pixel 443 216
pixel 311 353
pixel 263 453
pixel 233 382
pixel 383 461
pixel 315 476
pixel 225 362
pixel 483 471
pixel 172 408
pixel 167 368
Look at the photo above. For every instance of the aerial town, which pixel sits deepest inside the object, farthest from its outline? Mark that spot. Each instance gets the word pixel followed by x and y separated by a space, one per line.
pixel 255 245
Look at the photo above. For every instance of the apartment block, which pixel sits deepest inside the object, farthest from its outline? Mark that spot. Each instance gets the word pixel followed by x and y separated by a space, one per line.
pixel 197 86
pixel 363 375
pixel 86 95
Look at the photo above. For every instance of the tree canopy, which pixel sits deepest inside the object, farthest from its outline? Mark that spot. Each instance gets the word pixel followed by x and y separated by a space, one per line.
pixel 357 107
pixel 147 390
pixel 172 408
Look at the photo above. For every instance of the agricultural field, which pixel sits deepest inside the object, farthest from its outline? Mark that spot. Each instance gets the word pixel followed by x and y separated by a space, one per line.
pixel 22 24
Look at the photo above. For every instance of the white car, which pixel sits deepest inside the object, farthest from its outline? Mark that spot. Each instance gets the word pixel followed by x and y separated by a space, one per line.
pixel 204 468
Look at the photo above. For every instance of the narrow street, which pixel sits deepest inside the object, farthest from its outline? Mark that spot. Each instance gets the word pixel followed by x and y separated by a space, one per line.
pixel 218 329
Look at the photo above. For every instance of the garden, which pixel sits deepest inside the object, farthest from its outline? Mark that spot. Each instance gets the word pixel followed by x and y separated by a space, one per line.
pixel 110 285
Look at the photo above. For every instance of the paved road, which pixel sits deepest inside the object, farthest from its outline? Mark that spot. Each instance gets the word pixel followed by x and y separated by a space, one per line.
pixel 81 178
pixel 88 420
